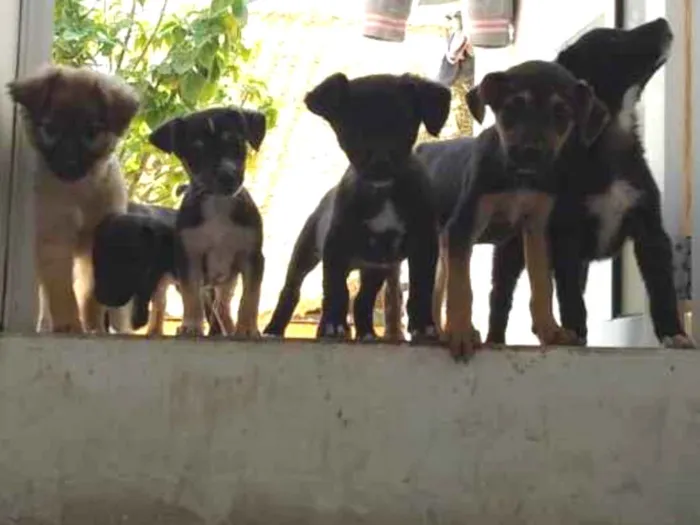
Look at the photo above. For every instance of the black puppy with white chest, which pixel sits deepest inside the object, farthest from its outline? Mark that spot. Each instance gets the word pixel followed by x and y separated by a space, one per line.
pixel 381 211
pixel 616 200
pixel 219 227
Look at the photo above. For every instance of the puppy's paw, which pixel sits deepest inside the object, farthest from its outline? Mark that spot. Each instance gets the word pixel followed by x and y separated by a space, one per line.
pixel 553 334
pixel 429 334
pixel 678 341
pixel 244 332
pixel 333 331
pixel 394 338
pixel 369 337
pixel 462 342
pixel 494 345
pixel 69 328
pixel 189 331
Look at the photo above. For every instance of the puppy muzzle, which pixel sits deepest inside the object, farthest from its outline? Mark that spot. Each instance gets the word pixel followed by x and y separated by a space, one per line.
pixel 67 171
pixel 227 179
pixel 528 161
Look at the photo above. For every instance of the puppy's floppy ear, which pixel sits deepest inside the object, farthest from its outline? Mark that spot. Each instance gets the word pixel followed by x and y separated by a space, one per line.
pixel 490 92
pixel 120 102
pixel 33 92
pixel 432 102
pixel 255 127
pixel 326 99
pixel 593 115
pixel 166 137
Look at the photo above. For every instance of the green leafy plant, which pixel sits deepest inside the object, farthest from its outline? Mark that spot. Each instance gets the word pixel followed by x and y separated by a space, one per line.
pixel 178 61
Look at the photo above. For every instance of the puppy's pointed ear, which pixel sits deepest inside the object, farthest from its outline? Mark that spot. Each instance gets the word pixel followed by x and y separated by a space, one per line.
pixel 121 103
pixel 33 93
pixel 476 106
pixel 326 99
pixel 167 136
pixel 432 100
pixel 593 115
pixel 490 92
pixel 255 127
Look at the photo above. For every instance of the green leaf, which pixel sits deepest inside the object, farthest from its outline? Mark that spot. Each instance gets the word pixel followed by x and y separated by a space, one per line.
pixel 191 86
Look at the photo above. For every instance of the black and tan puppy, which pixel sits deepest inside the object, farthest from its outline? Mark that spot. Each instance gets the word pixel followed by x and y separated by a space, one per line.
pixel 615 197
pixel 381 211
pixel 541 112
pixel 74 119
pixel 219 227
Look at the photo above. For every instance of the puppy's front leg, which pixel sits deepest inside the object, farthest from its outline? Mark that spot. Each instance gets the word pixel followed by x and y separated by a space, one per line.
pixel 191 292
pixel 539 273
pixel 55 274
pixel 422 258
pixel 472 217
pixel 393 305
pixel 335 291
pixel 156 318
pixel 247 325
pixel 570 273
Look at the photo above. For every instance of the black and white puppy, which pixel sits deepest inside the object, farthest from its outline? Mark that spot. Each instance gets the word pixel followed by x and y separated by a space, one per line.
pixel 219 226
pixel 617 199
pixel 381 211
pixel 134 260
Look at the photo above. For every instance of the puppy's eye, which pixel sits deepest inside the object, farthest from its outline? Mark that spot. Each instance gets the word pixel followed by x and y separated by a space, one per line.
pixel 512 112
pixel 561 113
pixel 90 133
pixel 197 144
pixel 48 133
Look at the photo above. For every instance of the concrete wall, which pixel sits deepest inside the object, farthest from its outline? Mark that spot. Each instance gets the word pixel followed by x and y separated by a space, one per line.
pixel 107 432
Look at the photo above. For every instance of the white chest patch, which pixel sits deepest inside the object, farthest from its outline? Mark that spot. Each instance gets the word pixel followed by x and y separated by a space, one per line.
pixel 610 208
pixel 218 239
pixel 386 220
pixel 629 103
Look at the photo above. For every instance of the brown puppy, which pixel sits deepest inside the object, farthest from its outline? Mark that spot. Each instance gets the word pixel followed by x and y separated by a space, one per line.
pixel 74 118
pixel 515 176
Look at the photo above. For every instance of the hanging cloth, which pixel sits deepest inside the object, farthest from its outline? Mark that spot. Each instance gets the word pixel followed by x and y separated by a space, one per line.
pixel 490 22
pixel 386 19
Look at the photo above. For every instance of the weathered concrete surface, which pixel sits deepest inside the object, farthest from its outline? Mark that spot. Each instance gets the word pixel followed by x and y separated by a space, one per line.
pixel 113 432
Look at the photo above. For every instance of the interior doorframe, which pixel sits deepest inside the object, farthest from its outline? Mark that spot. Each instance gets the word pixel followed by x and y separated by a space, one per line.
pixel 32 31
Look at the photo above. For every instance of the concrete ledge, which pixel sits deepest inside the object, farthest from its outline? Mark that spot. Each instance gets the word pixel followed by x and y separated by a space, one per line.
pixel 174 432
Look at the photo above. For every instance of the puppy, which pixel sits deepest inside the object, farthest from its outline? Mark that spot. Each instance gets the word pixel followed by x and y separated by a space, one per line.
pixel 541 111
pixel 219 227
pixel 617 199
pixel 380 212
pixel 74 119
pixel 134 260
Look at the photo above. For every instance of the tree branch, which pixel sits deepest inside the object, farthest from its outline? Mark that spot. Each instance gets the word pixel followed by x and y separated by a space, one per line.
pixel 125 45
pixel 153 35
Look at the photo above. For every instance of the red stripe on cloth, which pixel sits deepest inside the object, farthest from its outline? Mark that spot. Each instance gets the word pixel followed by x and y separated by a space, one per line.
pixel 379 19
pixel 490 22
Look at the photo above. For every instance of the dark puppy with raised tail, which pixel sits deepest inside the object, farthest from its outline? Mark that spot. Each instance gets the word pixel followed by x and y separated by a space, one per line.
pixel 219 227
pixel 381 211
pixel 541 111
pixel 134 261
pixel 615 200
